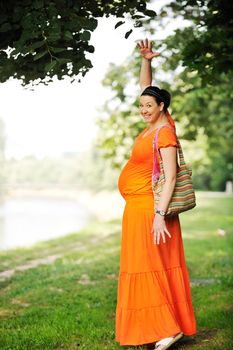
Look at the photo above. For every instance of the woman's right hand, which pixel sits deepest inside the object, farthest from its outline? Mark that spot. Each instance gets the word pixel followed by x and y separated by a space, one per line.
pixel 145 47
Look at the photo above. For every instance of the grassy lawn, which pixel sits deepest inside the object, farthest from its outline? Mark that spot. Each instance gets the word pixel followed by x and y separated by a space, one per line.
pixel 68 301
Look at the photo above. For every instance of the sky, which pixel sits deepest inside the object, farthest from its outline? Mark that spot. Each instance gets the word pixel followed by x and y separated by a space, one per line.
pixel 59 118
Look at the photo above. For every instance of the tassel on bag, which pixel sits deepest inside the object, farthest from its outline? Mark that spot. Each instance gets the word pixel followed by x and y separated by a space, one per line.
pixel 183 197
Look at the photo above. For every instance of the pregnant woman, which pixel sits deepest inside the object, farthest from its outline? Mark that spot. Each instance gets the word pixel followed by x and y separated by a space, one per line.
pixel 154 303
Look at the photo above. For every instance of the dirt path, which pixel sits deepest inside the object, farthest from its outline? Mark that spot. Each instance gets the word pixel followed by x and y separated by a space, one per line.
pixel 50 259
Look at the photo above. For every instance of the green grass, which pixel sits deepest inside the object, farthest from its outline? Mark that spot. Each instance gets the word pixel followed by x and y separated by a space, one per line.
pixel 70 303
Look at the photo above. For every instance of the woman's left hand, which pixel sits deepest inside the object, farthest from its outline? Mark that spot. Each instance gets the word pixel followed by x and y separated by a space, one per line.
pixel 159 228
pixel 145 47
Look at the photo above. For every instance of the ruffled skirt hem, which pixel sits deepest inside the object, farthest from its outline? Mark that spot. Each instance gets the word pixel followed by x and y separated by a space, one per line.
pixel 153 305
pixel 153 329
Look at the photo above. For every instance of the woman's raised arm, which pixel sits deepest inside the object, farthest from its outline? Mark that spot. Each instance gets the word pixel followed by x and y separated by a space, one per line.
pixel 145 48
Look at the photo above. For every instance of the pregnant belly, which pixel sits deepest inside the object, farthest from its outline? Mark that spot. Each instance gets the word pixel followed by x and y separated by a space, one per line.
pixel 135 178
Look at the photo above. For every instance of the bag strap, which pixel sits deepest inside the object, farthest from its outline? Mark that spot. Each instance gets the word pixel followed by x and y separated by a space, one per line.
pixel 156 172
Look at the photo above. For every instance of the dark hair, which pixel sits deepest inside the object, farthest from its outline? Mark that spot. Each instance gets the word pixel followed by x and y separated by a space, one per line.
pixel 160 95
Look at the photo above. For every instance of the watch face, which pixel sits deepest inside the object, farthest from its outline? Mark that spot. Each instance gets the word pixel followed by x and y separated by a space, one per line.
pixel 161 212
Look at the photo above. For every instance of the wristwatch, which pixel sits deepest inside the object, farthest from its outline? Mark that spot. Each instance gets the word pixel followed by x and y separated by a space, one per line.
pixel 161 212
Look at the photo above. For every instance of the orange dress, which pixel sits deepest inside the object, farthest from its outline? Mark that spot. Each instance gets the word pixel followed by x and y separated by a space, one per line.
pixel 154 297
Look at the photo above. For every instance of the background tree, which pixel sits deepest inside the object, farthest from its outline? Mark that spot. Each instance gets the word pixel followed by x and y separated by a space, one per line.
pixel 40 39
pixel 201 98
pixel 205 46
pixel 70 170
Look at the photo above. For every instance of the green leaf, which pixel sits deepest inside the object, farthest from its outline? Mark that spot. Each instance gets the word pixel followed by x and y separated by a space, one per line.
pixel 64 60
pixel 39 55
pixel 150 13
pixel 119 24
pixel 57 49
pixel 5 27
pixel 36 45
pixel 88 63
pixel 138 24
pixel 50 65
pixel 53 36
pixel 68 35
pixel 137 16
pixel 85 36
pixel 90 49
pixel 93 23
pixel 128 33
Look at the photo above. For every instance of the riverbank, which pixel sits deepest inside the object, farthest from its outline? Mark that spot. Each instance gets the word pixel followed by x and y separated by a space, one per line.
pixel 104 205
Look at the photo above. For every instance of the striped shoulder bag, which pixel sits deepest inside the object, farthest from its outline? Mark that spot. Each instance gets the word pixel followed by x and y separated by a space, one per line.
pixel 183 197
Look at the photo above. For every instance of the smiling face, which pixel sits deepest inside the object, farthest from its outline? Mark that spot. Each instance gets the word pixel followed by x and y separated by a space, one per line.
pixel 149 108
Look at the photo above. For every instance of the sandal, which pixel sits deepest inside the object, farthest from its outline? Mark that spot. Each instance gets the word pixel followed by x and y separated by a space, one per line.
pixel 165 343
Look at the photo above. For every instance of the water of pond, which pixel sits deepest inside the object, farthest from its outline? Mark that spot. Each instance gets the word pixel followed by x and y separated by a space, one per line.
pixel 25 221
